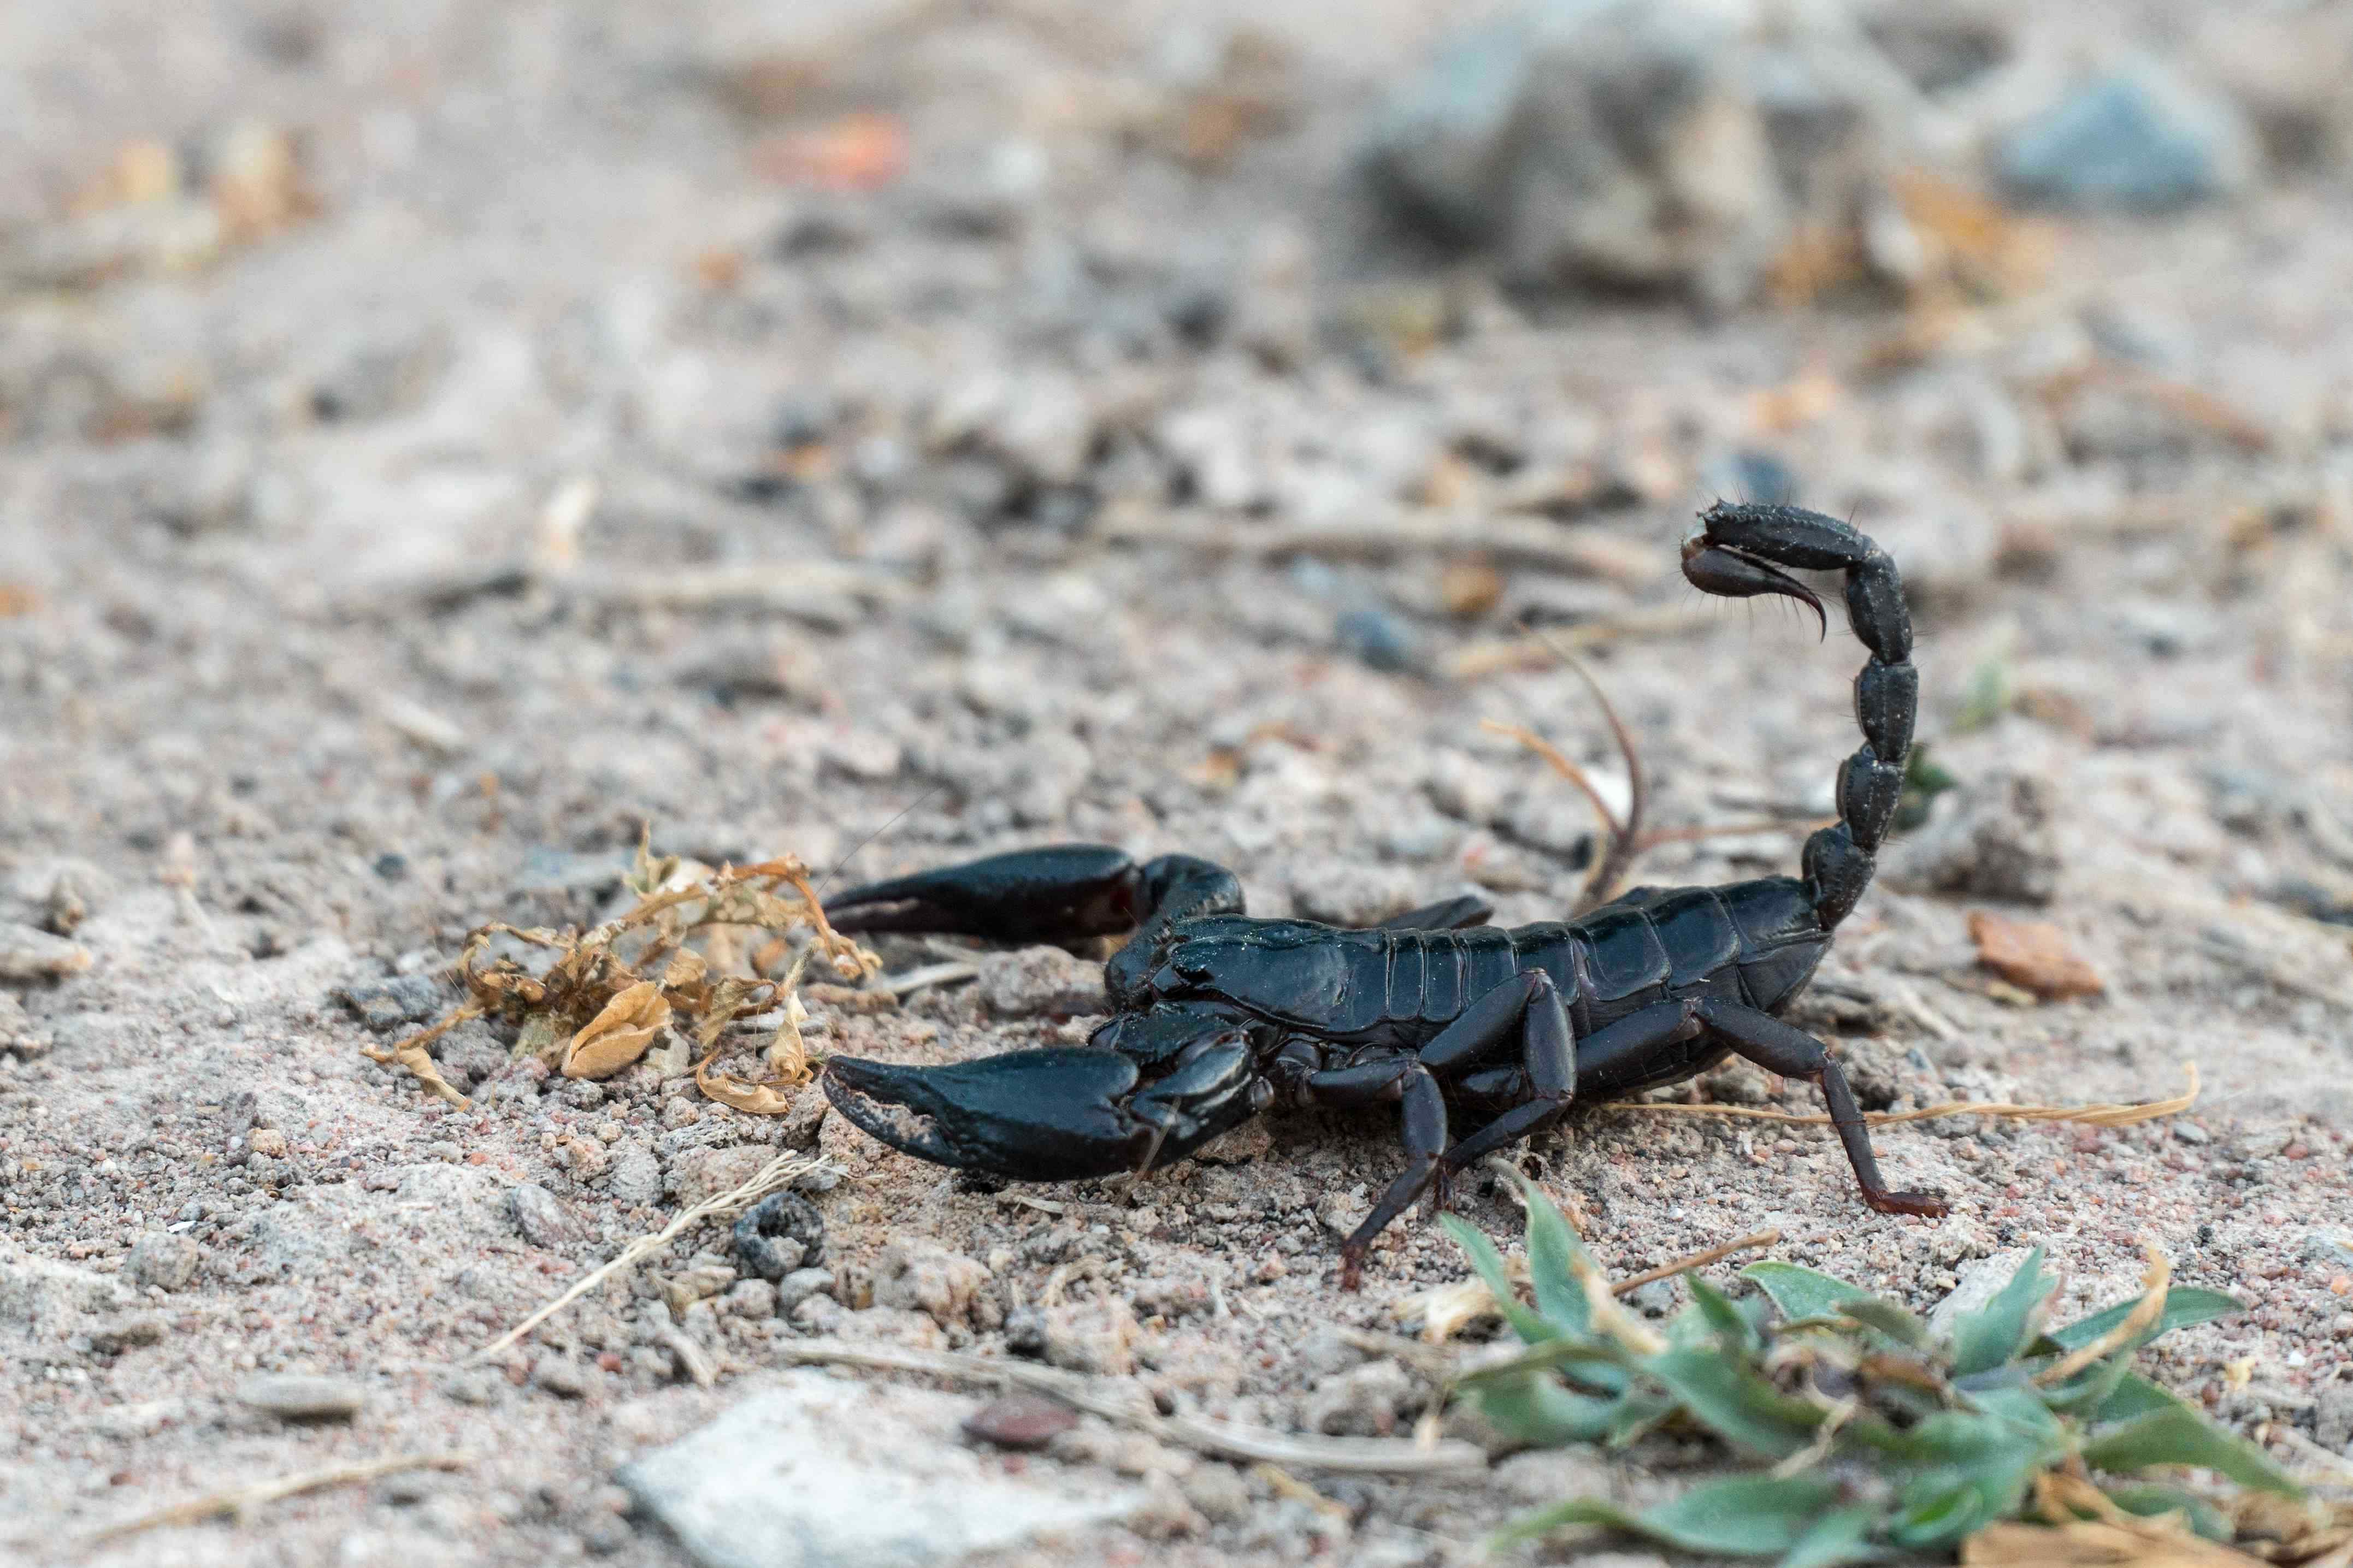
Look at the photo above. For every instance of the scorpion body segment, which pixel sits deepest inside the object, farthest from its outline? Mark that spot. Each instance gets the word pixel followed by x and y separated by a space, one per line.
pixel 1217 1016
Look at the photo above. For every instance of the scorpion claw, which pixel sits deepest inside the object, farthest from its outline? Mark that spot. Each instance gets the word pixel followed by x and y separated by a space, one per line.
pixel 1732 574
pixel 1059 893
pixel 1047 1115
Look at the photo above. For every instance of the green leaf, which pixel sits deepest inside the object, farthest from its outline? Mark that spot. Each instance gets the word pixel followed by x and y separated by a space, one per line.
pixel 1488 1264
pixel 1552 1245
pixel 1735 1404
pixel 1841 1536
pixel 1534 1408
pixel 1886 1318
pixel 1802 1292
pixel 2184 1437
pixel 1748 1515
pixel 2092 1388
pixel 1731 1328
pixel 2148 1499
pixel 2184 1305
pixel 1991 1335
pixel 1637 1416
pixel 1941 1516
pixel 2136 1395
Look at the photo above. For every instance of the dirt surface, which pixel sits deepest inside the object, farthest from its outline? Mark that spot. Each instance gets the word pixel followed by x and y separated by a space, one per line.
pixel 565 458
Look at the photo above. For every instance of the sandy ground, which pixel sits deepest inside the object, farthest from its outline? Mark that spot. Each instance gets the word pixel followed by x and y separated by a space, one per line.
pixel 302 677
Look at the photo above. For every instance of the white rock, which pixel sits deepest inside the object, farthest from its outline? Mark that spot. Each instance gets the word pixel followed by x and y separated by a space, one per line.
pixel 822 1473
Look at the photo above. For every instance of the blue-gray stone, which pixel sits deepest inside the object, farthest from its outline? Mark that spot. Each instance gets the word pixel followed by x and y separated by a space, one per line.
pixel 2136 139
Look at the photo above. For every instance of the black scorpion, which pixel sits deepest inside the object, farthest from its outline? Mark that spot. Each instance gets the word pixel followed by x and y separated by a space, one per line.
pixel 1216 1017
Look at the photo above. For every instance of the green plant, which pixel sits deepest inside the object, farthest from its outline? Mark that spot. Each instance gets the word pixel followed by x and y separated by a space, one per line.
pixel 1880 1436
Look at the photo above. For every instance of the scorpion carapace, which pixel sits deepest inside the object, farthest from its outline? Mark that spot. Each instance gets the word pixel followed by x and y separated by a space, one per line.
pixel 1217 1016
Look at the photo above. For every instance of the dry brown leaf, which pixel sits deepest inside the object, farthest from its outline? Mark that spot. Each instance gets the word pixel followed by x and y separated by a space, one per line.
pixel 2034 954
pixel 2092 1544
pixel 619 1034
pixel 753 1099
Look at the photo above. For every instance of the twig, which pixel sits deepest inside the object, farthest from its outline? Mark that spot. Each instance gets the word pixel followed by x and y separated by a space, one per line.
pixel 915 980
pixel 1690 1260
pixel 1358 1456
pixel 244 1498
pixel 2116 1115
pixel 774 1176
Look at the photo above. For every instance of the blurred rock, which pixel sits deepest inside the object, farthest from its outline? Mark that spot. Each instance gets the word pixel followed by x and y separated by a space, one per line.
pixel 2140 137
pixel 163 1261
pixel 1993 838
pixel 1031 981
pixel 920 1275
pixel 1673 145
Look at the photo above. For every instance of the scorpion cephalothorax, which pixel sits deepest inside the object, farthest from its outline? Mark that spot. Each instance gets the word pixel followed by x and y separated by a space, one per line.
pixel 1217 1016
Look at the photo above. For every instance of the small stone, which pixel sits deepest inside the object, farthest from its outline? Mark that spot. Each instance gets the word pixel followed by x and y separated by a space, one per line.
pixel 471 1387
pixel 542 1216
pixel 1220 1493
pixel 2141 138
pixel 2332 1249
pixel 162 1259
pixel 18 1034
pixel 122 1333
pixel 1165 1513
pixel 1025 1333
pixel 1995 838
pixel 636 1178
pixel 1171 1299
pixel 299 1396
pixel 801 1285
pixel 398 1002
pixel 560 1376
pixel 750 1298
pixel 30 954
pixel 1022 1421
pixel 1034 981
pixel 921 1276
pixel 1366 1401
pixel 698 1174
pixel 2034 954
pixel 2191 1133
pixel 1379 638
pixel 266 1141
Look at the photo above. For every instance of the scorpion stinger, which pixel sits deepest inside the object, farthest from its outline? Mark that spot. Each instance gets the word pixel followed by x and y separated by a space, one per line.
pixel 1477 1036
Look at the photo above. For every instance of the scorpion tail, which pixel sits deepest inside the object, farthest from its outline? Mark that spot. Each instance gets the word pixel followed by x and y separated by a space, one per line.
pixel 1738 552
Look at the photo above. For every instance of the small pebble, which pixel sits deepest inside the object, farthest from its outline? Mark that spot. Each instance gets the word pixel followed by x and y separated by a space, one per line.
pixel 560 1376
pixel 1022 1421
pixel 299 1396
pixel 800 1285
pixel 541 1215
pixel 162 1259
pixel 123 1333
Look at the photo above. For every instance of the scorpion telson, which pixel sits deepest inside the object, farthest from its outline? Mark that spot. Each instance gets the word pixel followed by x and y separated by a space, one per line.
pixel 1217 1016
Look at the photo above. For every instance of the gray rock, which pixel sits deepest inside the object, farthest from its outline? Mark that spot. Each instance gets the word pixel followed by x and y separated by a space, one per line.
pixel 1367 1402
pixel 386 1005
pixel 801 1285
pixel 560 1376
pixel 921 1276
pixel 2330 1248
pixel 28 954
pixel 162 1259
pixel 542 1216
pixel 822 1473
pixel 299 1396
pixel 18 1033
pixel 120 1334
pixel 2139 138
pixel 44 1297
pixel 1993 838
pixel 636 1178
pixel 1669 145
pixel 1381 639
pixel 1032 981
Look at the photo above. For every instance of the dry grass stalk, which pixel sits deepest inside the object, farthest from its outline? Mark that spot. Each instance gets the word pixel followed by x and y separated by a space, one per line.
pixel 774 1176
pixel 2112 1115
pixel 239 1501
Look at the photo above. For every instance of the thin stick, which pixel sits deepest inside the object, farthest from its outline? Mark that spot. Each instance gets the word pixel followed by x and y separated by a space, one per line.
pixel 774 1176
pixel 2118 1115
pixel 1561 765
pixel 1690 1260
pixel 1358 1456
pixel 1626 843
pixel 244 1498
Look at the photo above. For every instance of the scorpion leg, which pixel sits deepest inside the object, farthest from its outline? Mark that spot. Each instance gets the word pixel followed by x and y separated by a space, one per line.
pixel 1422 1125
pixel 1779 1047
pixel 1527 1009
